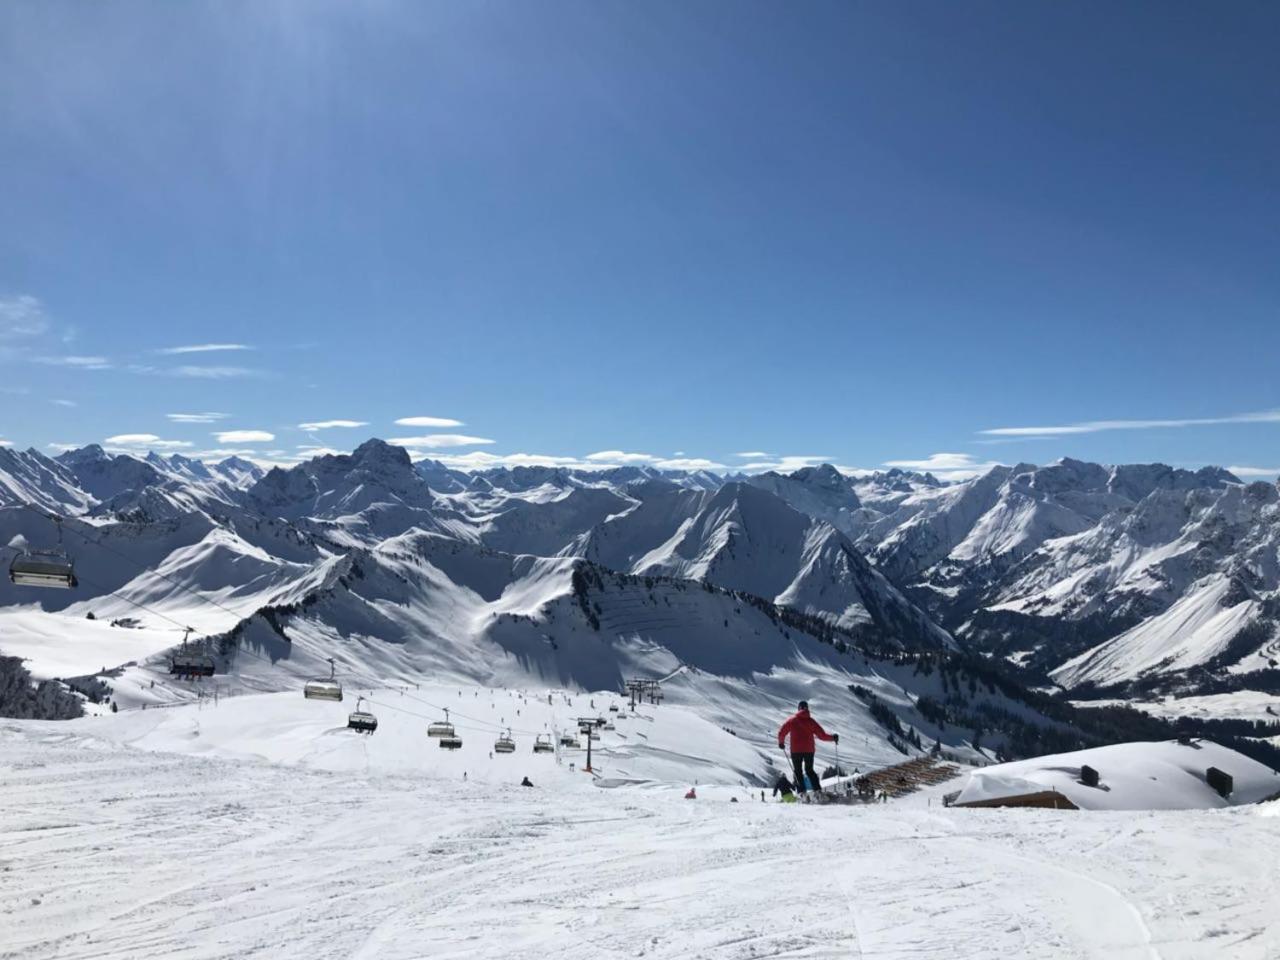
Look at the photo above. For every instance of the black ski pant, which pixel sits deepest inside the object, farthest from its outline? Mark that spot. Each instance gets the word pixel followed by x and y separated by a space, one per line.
pixel 802 763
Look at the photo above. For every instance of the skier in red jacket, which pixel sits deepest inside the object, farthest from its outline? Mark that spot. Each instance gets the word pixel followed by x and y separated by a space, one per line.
pixel 802 728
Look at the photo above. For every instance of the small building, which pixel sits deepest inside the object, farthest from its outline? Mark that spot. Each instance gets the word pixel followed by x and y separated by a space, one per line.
pixel 1046 799
pixel 1164 775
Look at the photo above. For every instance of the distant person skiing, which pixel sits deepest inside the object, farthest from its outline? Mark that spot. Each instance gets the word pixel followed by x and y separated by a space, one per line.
pixel 802 729
pixel 526 782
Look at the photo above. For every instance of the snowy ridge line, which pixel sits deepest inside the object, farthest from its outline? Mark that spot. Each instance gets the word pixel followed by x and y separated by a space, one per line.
pixel 242 649
pixel 58 521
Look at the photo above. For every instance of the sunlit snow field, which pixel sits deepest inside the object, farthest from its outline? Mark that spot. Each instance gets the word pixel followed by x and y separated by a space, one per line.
pixel 263 828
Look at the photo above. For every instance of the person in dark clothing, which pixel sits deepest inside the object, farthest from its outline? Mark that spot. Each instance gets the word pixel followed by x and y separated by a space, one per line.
pixel 802 729
pixel 525 782
pixel 782 786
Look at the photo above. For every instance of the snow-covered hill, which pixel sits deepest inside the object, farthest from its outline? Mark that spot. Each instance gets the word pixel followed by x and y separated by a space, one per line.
pixel 1131 776
pixel 1086 575
pixel 262 827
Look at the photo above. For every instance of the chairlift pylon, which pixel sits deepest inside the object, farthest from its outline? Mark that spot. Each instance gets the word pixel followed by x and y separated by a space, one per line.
pixel 324 688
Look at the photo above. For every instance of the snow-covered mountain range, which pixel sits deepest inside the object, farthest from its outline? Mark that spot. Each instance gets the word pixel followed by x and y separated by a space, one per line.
pixel 1117 580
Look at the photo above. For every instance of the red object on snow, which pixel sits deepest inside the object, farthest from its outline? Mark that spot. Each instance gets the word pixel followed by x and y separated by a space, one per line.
pixel 692 794
pixel 802 729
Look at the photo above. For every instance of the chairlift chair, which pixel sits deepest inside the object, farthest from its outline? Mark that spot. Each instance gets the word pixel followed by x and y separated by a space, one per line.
pixel 451 743
pixel 504 744
pixel 442 729
pixel 324 688
pixel 568 740
pixel 543 744
pixel 362 721
pixel 186 663
pixel 44 568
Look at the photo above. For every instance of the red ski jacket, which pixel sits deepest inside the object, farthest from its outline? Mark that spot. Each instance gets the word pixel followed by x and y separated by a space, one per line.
pixel 802 728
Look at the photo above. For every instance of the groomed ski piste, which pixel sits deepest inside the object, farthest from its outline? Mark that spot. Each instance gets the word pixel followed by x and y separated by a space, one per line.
pixel 260 826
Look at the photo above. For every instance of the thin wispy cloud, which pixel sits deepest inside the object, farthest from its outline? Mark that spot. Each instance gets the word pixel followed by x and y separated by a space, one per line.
pixel 620 457
pixel 64 403
pixel 784 464
pixel 244 436
pixel 204 348
pixel 211 373
pixel 146 441
pixel 308 452
pixel 78 362
pixel 6 443
pixel 63 447
pixel 948 466
pixel 331 424
pixel 434 440
pixel 22 316
pixel 197 417
pixel 1099 426
pixel 1246 472
pixel 688 463
pixel 482 460
pixel 428 422
pixel 752 455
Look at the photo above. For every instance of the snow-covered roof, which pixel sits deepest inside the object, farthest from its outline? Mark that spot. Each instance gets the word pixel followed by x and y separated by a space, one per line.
pixel 1132 776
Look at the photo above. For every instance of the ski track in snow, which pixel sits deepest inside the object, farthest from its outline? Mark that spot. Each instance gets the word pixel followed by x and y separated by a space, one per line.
pixel 110 852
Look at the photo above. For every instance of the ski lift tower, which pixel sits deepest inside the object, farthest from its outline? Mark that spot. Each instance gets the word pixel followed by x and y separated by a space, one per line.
pixel 587 727
pixel 641 689
pixel 633 692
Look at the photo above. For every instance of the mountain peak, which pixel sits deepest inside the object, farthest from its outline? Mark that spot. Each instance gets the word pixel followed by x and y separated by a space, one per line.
pixel 377 452
pixel 823 475
pixel 90 453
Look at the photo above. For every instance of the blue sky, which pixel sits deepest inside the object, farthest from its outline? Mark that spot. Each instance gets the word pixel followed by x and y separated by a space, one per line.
pixel 865 233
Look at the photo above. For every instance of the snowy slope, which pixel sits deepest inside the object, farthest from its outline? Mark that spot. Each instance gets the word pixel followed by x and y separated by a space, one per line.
pixel 747 539
pixel 29 477
pixel 139 853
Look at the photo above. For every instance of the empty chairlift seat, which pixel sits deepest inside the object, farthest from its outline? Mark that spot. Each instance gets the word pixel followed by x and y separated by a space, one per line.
pixel 324 688
pixel 504 744
pixel 443 730
pixel 362 721
pixel 568 740
pixel 43 568
pixel 543 744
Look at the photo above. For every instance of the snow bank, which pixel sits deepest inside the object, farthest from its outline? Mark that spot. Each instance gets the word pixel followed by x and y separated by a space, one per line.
pixel 1132 776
